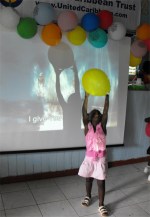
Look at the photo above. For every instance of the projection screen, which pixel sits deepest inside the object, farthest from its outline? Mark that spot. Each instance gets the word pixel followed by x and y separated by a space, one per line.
pixel 41 92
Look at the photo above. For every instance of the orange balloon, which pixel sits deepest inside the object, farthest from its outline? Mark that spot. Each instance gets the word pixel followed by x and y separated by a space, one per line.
pixel 51 34
pixel 143 31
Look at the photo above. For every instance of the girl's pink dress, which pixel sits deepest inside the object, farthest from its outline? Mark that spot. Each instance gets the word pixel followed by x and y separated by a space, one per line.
pixel 95 163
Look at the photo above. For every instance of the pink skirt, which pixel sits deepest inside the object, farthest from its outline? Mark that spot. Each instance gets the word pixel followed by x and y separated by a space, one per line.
pixel 96 169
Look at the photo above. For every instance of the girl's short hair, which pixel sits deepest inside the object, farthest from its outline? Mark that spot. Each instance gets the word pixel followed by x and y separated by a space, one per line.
pixel 92 113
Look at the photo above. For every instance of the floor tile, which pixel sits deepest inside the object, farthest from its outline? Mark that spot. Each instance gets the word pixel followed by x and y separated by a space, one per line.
pixel 18 199
pixel 117 199
pixel 57 209
pixel 41 183
pixel 45 195
pixel 73 190
pixel 127 194
pixel 2 214
pixel 139 193
pixel 127 181
pixel 127 169
pixel 30 211
pixel 68 179
pixel 145 206
pixel 13 187
pixel 134 211
pixel 110 184
pixel 140 166
pixel 1 203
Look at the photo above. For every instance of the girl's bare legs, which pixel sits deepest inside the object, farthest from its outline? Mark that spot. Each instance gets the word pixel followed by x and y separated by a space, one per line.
pixel 87 199
pixel 89 182
pixel 101 194
pixel 101 191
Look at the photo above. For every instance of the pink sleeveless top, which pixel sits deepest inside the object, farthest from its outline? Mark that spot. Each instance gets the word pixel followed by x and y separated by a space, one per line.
pixel 95 142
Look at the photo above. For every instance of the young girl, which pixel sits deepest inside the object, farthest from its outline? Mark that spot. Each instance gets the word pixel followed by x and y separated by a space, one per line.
pixel 94 165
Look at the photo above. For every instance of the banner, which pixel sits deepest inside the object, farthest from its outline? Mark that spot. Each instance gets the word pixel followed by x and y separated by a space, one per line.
pixel 126 11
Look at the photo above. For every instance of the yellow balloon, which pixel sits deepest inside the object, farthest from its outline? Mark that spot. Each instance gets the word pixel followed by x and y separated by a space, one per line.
pixel 134 61
pixel 95 82
pixel 77 36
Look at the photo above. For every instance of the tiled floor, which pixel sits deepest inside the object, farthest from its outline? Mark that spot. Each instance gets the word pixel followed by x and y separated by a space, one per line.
pixel 127 194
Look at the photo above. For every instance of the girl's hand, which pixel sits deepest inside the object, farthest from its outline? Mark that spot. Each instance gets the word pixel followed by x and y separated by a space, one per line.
pixel 86 94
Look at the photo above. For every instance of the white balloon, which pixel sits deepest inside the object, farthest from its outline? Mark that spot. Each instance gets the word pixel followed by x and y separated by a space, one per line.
pixel 9 18
pixel 117 31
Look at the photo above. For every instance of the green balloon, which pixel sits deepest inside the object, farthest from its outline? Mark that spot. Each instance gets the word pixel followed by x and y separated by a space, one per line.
pixel 27 27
